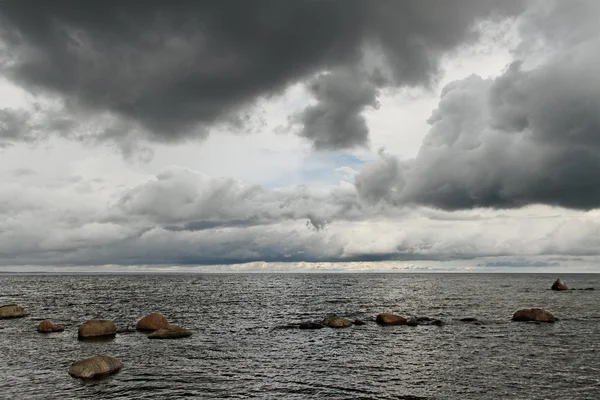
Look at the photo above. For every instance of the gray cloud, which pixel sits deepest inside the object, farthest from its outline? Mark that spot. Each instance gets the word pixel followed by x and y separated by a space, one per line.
pixel 335 122
pixel 530 136
pixel 173 70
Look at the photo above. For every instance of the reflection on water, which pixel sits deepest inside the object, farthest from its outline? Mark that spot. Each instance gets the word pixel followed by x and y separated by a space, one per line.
pixel 236 353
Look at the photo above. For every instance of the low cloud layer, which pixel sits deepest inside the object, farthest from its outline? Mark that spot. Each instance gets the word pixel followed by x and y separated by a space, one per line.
pixel 529 136
pixel 173 71
pixel 181 217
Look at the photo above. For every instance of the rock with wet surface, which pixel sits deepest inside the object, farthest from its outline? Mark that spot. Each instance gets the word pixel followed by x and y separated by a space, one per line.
pixel 170 332
pixel 46 326
pixel 11 311
pixel 95 367
pixel 559 285
pixel 97 328
pixel 310 325
pixel 533 314
pixel 390 319
pixel 337 322
pixel 152 322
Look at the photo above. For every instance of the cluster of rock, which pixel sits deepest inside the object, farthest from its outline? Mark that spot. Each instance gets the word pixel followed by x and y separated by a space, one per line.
pixel 156 325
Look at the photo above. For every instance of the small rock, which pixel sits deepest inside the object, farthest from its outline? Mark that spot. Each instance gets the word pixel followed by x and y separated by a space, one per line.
pixel 95 367
pixel 97 328
pixel 412 322
pixel 469 319
pixel 311 325
pixel 359 322
pixel 437 322
pixel 46 326
pixel 152 322
pixel 533 314
pixel 337 322
pixel 390 319
pixel 423 319
pixel 559 285
pixel 11 311
pixel 170 332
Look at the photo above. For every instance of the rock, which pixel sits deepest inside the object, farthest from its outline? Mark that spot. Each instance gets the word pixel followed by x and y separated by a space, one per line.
pixel 533 314
pixel 11 311
pixel 311 325
pixel 337 322
pixel 469 319
pixel 412 322
pixel 390 319
pixel 152 322
pixel 46 326
pixel 559 285
pixel 437 322
pixel 170 332
pixel 97 328
pixel 424 319
pixel 95 367
pixel 359 322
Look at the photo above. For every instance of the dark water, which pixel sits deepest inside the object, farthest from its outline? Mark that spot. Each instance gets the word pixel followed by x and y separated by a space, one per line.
pixel 236 353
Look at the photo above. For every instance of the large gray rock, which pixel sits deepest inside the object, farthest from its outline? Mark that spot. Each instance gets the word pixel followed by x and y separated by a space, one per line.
pixel 170 332
pixel 11 311
pixel 95 367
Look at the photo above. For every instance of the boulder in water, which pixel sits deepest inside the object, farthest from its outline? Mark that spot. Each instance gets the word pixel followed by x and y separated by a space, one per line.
pixel 46 326
pixel 390 319
pixel 559 285
pixel 95 367
pixel 337 322
pixel 152 322
pixel 170 332
pixel 533 314
pixel 11 311
pixel 310 325
pixel 97 328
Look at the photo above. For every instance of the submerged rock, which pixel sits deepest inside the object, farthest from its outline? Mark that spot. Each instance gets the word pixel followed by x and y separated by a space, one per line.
pixel 311 325
pixel 412 322
pixel 533 314
pixel 337 322
pixel 359 322
pixel 11 311
pixel 46 326
pixel 97 328
pixel 390 319
pixel 95 367
pixel 170 332
pixel 152 322
pixel 437 322
pixel 559 285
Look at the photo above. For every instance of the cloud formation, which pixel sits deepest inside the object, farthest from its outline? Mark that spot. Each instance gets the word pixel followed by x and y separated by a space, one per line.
pixel 173 70
pixel 529 136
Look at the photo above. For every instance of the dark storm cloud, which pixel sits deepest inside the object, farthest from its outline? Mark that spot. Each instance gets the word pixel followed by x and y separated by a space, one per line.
pixel 176 68
pixel 530 136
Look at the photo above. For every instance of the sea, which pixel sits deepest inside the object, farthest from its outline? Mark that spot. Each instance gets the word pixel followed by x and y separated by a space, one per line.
pixel 245 345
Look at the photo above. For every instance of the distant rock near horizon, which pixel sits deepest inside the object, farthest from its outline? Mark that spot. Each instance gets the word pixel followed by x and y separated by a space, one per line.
pixel 559 285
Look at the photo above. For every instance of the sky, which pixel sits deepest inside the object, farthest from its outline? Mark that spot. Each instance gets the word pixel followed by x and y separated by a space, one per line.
pixel 411 136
